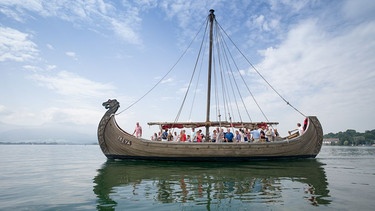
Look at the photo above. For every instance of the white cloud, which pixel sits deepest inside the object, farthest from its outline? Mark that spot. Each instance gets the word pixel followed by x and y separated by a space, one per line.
pixel 167 80
pixel 77 102
pixel 71 54
pixel 79 116
pixel 72 85
pixel 49 46
pixel 125 31
pixel 122 18
pixel 53 116
pixel 36 69
pixel 2 108
pixel 325 74
pixel 50 67
pixel 31 68
pixel 8 8
pixel 16 46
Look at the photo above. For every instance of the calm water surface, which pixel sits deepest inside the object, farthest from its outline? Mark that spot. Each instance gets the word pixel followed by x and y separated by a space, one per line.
pixel 77 177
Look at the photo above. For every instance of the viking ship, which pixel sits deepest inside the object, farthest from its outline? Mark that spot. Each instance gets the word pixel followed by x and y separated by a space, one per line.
pixel 116 143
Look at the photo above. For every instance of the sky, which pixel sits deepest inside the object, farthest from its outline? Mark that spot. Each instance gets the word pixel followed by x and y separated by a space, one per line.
pixel 59 60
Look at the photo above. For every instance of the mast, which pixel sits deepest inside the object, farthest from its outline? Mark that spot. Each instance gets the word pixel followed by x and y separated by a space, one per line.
pixel 212 18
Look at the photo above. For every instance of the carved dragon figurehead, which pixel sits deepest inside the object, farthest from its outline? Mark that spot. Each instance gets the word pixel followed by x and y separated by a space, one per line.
pixel 111 105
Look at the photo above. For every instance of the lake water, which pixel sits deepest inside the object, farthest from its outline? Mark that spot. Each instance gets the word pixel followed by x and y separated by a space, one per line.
pixel 78 177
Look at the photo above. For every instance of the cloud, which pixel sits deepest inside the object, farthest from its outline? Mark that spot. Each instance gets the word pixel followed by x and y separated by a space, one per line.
pixel 72 85
pixel 79 116
pixel 77 103
pixel 15 8
pixel 31 68
pixel 324 73
pixel 2 109
pixel 52 117
pixel 121 18
pixel 167 80
pixel 16 46
pixel 71 54
pixel 49 46
pixel 125 31
pixel 50 67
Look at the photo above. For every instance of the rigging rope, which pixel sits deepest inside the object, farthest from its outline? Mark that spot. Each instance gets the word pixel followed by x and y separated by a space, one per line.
pixel 200 69
pixel 170 70
pixel 191 79
pixel 256 70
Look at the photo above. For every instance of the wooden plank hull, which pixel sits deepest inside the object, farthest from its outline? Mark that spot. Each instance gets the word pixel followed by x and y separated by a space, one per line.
pixel 118 144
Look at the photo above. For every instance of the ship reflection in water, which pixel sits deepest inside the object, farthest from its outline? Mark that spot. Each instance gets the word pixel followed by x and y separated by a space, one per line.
pixel 177 185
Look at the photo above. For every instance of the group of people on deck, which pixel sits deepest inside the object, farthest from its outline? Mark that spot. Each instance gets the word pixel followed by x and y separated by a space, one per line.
pixel 264 133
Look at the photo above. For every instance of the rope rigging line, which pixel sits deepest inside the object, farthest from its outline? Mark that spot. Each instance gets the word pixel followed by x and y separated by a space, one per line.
pixel 226 49
pixel 170 70
pixel 217 100
pixel 225 101
pixel 191 79
pixel 226 52
pixel 200 70
pixel 222 78
pixel 256 70
pixel 227 66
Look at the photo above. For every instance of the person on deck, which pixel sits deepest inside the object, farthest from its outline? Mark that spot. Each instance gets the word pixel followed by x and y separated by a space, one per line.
pixel 164 135
pixel 193 135
pixel 154 137
pixel 238 136
pixel 221 136
pixel 170 136
pixel 199 136
pixel 300 129
pixel 276 133
pixel 269 134
pixel 247 135
pixel 305 124
pixel 214 136
pixel 183 136
pixel 137 130
pixel 255 135
pixel 229 136
pixel 159 136
pixel 263 137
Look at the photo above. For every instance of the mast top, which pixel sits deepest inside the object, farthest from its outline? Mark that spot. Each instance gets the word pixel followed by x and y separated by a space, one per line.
pixel 212 15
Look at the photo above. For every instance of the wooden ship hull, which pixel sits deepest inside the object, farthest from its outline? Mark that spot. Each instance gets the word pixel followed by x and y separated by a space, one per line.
pixel 118 144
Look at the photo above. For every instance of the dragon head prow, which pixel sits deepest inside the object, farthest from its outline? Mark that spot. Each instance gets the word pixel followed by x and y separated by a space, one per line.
pixel 109 104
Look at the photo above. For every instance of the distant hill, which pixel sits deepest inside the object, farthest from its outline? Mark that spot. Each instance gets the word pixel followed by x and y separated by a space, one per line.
pixel 352 137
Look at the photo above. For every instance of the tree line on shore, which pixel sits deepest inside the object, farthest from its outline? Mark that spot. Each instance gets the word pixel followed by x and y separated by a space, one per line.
pixel 353 138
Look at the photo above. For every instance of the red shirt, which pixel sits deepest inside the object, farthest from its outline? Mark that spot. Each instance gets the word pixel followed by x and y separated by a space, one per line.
pixel 183 137
pixel 199 137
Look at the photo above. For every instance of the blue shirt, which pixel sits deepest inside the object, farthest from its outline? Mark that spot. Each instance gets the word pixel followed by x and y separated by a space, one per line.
pixel 255 133
pixel 229 136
